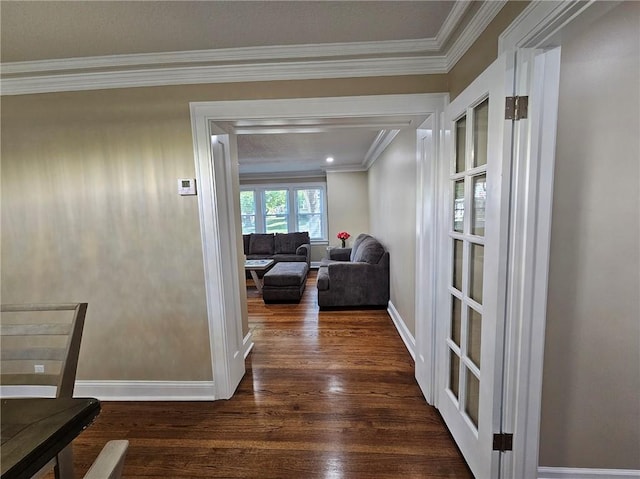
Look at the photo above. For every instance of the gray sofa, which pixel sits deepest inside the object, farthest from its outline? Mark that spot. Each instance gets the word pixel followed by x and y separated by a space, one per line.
pixel 280 246
pixel 357 276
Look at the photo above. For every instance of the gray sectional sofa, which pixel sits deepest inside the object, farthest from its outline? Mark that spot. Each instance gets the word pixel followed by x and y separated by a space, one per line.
pixel 279 247
pixel 356 276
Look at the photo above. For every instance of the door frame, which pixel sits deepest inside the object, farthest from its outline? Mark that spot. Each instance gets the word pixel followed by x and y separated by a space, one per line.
pixel 217 213
pixel 541 25
pixel 536 36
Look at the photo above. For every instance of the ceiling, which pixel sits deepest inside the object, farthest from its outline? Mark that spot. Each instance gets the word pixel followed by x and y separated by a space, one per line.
pixel 66 45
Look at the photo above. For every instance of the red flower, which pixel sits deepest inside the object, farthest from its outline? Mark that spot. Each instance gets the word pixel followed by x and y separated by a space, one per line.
pixel 343 235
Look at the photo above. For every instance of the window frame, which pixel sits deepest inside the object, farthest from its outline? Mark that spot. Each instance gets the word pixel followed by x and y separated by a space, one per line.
pixel 292 197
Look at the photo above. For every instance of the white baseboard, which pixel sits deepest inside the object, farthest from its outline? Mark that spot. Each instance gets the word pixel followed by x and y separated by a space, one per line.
pixel 146 390
pixel 405 334
pixel 27 392
pixel 124 390
pixel 580 473
pixel 247 343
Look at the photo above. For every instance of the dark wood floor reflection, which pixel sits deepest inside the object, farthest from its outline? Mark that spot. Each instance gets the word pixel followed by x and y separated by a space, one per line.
pixel 327 395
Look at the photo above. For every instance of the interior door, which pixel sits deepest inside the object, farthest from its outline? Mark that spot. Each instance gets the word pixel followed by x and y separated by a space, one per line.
pixel 473 275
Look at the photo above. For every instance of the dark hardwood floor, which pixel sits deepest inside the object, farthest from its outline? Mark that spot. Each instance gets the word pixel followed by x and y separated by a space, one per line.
pixel 326 395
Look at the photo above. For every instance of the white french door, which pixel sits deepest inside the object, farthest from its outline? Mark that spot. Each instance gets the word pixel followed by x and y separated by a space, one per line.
pixel 473 274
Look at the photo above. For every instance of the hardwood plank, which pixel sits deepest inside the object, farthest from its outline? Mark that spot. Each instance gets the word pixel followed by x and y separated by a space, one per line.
pixel 326 395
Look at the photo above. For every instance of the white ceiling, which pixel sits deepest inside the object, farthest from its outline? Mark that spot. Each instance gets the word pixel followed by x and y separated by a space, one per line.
pixel 39 30
pixel 49 46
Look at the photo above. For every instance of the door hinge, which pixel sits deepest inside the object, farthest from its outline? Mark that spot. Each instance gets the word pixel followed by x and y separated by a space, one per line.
pixel 503 442
pixel 516 107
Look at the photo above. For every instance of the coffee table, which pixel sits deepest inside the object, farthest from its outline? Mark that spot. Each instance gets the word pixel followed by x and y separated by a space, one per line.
pixel 255 265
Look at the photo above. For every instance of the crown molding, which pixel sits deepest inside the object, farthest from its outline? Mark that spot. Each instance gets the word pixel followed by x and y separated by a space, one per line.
pixel 225 55
pixel 223 74
pixel 451 22
pixel 384 139
pixel 346 169
pixel 486 13
pixel 284 176
pixel 268 63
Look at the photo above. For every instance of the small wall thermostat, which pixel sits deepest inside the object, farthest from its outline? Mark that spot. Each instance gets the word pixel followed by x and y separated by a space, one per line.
pixel 186 186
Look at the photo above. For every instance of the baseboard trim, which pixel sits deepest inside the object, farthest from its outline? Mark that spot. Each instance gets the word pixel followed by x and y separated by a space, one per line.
pixel 581 473
pixel 247 343
pixel 146 390
pixel 405 334
pixel 27 391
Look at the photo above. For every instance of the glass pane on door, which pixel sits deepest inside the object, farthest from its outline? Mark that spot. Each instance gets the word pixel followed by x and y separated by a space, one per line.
pixel 472 400
pixel 480 133
pixel 458 206
pixel 474 332
pixel 454 374
pixel 457 264
pixel 478 205
pixel 456 320
pixel 476 276
pixel 461 145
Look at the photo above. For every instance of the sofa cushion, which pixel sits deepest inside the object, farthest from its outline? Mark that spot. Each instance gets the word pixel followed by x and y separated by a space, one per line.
pixel 369 251
pixel 281 258
pixel 287 243
pixel 245 242
pixel 356 244
pixel 322 280
pixel 261 244
pixel 286 274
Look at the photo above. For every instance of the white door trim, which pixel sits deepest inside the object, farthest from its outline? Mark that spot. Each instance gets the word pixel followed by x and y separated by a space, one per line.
pixel 218 248
pixel 543 26
pixel 427 195
pixel 217 215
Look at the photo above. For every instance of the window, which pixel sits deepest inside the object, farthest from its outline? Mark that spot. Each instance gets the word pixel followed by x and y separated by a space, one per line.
pixel 276 211
pixel 310 206
pixel 248 211
pixel 284 208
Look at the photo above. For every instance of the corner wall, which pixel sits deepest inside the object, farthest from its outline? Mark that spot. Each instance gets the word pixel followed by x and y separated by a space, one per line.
pixel 348 205
pixel 392 206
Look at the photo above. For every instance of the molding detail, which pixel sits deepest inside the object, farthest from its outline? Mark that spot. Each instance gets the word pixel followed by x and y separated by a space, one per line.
pixel 451 22
pixel 303 70
pixel 249 64
pixel 244 54
pixel 27 391
pixel 126 390
pixel 384 139
pixel 247 344
pixel 579 473
pixel 146 390
pixel 472 31
pixel 405 334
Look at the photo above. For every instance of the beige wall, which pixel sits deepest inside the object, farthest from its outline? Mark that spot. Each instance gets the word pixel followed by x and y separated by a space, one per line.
pixel 484 50
pixel 392 206
pixel 90 213
pixel 348 205
pixel 591 387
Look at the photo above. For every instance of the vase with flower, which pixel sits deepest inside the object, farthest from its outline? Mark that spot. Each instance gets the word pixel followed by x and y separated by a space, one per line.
pixel 343 236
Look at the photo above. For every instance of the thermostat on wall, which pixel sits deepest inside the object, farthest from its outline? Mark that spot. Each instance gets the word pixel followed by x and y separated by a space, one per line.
pixel 186 186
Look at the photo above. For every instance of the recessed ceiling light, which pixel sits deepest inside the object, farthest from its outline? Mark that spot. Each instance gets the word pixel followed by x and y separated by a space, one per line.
pixel 329 159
